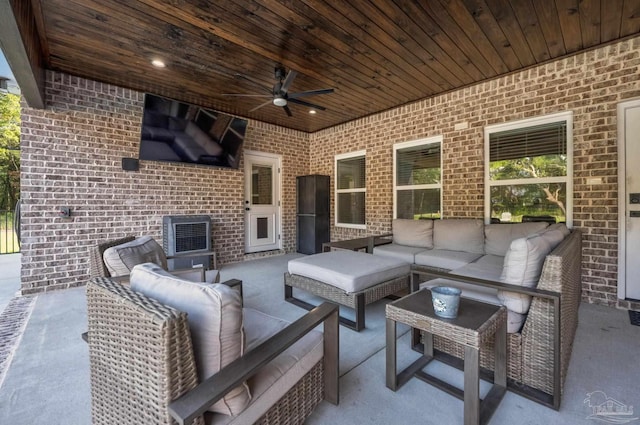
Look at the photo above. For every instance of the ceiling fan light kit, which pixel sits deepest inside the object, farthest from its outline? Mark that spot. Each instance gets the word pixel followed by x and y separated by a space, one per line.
pixel 280 95
pixel 280 101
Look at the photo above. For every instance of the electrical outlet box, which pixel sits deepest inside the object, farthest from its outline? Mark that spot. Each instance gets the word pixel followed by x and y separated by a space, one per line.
pixel 64 212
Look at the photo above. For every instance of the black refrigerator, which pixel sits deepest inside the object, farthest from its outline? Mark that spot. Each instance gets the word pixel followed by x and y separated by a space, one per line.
pixel 312 200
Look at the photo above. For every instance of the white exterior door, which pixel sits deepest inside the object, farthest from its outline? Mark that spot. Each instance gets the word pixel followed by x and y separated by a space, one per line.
pixel 629 199
pixel 262 201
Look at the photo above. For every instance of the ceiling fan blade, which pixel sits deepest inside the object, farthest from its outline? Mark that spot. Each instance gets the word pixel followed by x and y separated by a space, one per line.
pixel 261 105
pixel 246 95
pixel 310 105
pixel 309 93
pixel 255 82
pixel 287 110
pixel 287 81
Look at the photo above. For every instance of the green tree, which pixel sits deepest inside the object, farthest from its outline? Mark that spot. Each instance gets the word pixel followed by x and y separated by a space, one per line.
pixel 9 150
pixel 529 198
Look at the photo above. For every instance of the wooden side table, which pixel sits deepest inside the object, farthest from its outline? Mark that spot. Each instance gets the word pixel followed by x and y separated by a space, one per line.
pixel 476 323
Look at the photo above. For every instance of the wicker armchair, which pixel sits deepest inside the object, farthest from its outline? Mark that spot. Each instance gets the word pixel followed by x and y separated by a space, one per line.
pixel 143 369
pixel 98 268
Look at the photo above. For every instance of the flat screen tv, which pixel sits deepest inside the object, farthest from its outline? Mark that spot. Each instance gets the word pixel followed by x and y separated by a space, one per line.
pixel 180 132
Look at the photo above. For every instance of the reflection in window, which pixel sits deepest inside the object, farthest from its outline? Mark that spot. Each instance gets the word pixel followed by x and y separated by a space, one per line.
pixel 418 178
pixel 350 190
pixel 261 185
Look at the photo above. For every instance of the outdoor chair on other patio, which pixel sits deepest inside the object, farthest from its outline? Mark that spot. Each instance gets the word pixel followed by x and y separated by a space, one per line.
pixel 116 259
pixel 208 361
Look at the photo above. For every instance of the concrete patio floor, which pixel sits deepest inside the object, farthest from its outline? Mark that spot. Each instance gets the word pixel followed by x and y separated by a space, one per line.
pixel 48 379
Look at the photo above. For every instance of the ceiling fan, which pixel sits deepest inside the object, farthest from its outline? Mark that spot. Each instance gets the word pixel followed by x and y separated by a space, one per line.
pixel 279 95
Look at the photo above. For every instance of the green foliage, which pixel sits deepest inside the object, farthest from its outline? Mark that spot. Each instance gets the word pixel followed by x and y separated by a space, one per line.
pixel 529 167
pixel 529 199
pixel 9 150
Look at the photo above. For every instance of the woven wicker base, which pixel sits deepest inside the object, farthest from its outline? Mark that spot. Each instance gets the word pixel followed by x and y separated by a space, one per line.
pixel 298 403
pixel 357 300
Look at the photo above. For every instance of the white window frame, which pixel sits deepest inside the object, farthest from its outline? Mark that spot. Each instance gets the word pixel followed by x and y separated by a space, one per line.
pixel 350 155
pixel 426 141
pixel 521 124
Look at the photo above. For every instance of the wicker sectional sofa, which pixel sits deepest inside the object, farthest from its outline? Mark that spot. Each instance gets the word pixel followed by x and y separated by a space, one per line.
pixel 538 275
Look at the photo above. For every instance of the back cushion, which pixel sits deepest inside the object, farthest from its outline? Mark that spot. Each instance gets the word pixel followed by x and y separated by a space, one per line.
pixel 561 227
pixel 418 233
pixel 465 234
pixel 498 237
pixel 121 259
pixel 523 264
pixel 215 319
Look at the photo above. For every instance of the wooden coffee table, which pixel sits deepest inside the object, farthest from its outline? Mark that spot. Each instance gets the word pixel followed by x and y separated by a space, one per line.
pixel 476 323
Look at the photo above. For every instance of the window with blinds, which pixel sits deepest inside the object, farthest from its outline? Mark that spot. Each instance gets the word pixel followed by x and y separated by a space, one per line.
pixel 418 178
pixel 529 169
pixel 350 190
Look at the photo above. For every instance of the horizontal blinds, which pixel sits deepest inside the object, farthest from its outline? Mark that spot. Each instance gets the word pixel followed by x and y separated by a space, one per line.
pixel 351 173
pixel 544 139
pixel 413 165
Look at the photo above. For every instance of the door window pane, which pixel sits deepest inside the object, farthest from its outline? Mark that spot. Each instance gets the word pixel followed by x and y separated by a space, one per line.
pixel 261 185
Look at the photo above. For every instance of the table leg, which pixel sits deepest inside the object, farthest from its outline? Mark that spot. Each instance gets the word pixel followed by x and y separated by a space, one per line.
pixel 392 376
pixel 427 339
pixel 500 367
pixel 471 386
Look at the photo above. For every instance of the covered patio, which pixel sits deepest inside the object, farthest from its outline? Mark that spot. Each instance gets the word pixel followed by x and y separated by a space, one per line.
pixel 48 377
pixel 444 79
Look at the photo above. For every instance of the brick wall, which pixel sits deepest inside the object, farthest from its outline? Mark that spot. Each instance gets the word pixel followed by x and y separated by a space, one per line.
pixel 71 156
pixel 589 84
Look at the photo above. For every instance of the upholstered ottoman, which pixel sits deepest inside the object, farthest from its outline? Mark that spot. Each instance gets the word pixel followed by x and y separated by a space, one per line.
pixel 352 279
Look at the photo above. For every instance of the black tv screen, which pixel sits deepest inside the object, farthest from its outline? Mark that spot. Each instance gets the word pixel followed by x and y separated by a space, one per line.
pixel 180 132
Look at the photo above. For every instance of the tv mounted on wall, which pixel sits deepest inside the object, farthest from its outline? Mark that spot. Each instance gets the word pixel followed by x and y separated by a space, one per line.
pixel 181 132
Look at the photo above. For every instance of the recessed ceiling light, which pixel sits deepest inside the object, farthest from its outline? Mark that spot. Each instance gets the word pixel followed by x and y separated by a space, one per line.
pixel 158 63
pixel 312 111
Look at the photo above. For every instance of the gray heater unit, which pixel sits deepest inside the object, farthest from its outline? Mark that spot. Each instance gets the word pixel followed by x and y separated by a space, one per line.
pixel 187 235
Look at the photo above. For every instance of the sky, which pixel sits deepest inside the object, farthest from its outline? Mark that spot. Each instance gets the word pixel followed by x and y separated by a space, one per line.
pixel 5 72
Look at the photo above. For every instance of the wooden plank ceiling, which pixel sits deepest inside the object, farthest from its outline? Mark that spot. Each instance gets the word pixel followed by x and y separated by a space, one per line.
pixel 376 54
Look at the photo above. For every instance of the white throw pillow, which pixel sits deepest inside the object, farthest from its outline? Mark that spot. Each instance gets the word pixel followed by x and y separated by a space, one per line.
pixel 523 265
pixel 417 233
pixel 498 237
pixel 214 312
pixel 121 259
pixel 464 234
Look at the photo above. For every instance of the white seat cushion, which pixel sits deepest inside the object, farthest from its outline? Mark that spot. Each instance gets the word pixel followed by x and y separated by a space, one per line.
pixel 120 259
pixel 480 293
pixel 276 378
pixel 399 252
pixel 214 313
pixel 445 259
pixel 487 267
pixel 348 270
